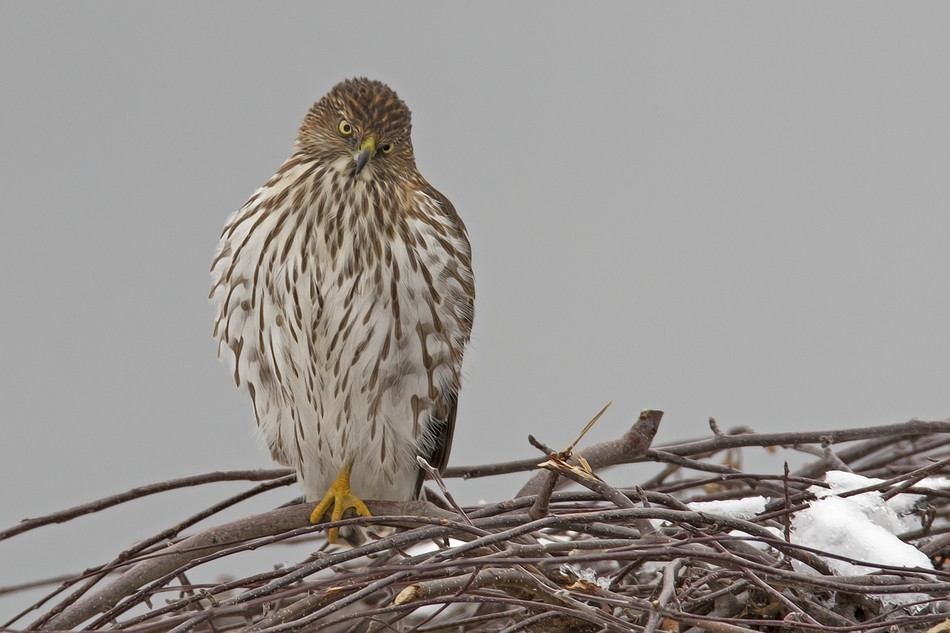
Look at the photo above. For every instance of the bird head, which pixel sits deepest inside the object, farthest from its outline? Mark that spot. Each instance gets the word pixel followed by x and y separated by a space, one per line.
pixel 362 128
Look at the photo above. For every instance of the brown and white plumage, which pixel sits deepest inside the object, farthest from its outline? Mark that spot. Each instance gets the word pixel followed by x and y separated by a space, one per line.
pixel 345 297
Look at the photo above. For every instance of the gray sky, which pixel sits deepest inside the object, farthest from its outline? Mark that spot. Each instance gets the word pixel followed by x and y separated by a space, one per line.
pixel 737 210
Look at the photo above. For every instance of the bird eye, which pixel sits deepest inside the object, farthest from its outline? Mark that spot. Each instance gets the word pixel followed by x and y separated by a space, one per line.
pixel 386 148
pixel 345 128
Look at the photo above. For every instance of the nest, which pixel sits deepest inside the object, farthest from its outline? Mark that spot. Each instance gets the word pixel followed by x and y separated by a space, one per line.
pixel 589 558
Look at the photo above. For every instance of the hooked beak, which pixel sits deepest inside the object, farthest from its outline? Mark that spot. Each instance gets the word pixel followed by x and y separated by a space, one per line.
pixel 365 153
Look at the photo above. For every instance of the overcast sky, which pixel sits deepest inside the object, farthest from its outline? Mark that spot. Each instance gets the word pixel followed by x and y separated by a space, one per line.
pixel 735 210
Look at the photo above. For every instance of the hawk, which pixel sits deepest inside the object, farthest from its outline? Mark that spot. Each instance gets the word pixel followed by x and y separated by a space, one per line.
pixel 344 301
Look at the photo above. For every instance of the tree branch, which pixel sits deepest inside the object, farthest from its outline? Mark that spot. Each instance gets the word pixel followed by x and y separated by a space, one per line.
pixel 143 491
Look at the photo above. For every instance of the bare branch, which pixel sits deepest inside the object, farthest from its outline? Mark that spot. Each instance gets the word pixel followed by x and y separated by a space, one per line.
pixel 143 491
pixel 601 558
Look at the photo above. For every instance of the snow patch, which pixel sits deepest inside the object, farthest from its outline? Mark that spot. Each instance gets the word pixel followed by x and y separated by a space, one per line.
pixel 744 509
pixel 863 527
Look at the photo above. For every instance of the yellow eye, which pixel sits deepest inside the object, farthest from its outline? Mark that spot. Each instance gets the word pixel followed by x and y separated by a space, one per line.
pixel 386 148
pixel 345 128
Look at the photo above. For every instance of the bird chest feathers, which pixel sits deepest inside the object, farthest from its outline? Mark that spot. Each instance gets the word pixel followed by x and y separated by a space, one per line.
pixel 342 337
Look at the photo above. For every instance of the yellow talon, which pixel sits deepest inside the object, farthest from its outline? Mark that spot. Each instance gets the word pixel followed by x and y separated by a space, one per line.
pixel 340 497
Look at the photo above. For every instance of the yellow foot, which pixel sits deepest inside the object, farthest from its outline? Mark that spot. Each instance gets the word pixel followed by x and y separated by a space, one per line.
pixel 340 497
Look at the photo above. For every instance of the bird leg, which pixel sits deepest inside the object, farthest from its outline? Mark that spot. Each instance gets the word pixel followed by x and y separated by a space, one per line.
pixel 340 497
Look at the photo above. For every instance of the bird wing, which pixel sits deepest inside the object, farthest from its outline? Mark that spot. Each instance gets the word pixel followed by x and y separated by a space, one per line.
pixel 441 428
pixel 440 432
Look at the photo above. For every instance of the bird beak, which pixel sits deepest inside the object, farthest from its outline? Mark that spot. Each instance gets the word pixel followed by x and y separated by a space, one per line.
pixel 365 153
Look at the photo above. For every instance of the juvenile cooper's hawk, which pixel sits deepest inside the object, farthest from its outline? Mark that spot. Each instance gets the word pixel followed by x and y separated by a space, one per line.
pixel 345 297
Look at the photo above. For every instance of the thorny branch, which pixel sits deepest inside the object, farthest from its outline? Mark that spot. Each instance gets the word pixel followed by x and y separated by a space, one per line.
pixel 597 559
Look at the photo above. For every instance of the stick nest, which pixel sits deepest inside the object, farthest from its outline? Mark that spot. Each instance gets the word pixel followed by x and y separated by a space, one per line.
pixel 590 557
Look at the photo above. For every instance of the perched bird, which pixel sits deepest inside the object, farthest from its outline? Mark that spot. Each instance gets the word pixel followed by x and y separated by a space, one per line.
pixel 344 301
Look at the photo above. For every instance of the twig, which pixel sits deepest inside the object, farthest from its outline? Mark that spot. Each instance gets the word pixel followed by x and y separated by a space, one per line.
pixel 142 491
pixel 209 541
pixel 586 560
pixel 630 446
pixel 885 434
pixel 93 577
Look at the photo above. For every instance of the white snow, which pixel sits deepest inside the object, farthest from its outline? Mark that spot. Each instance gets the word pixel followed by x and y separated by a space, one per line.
pixel 732 508
pixel 753 540
pixel 858 529
pixel 903 504
pixel 738 509
pixel 863 527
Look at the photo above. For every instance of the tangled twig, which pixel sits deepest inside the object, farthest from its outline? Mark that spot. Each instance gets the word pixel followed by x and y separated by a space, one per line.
pixel 600 558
